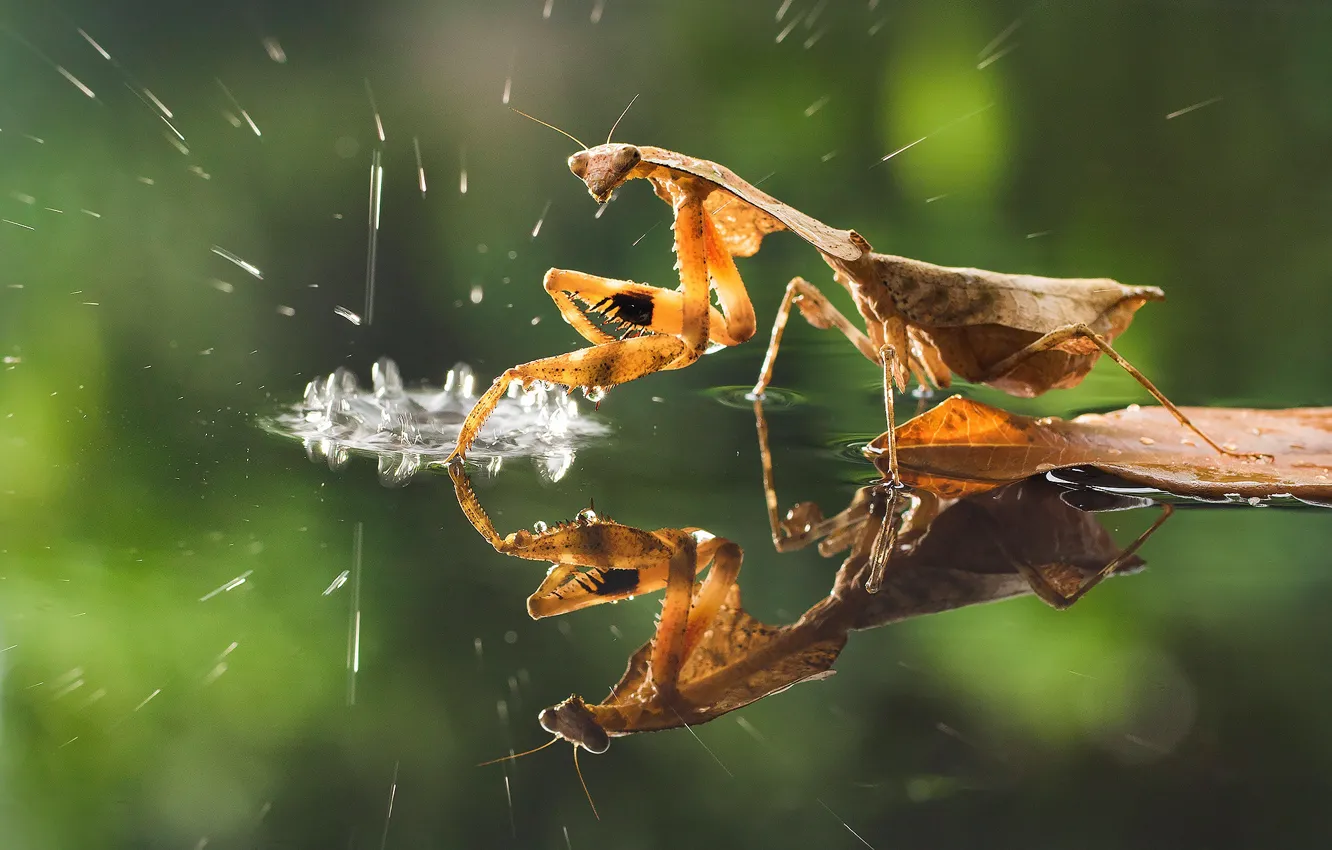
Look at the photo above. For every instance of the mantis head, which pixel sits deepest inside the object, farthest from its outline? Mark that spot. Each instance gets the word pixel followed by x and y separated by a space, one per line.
pixel 572 721
pixel 604 168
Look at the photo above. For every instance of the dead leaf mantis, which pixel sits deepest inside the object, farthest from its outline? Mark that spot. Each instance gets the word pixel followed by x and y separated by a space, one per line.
pixel 1023 334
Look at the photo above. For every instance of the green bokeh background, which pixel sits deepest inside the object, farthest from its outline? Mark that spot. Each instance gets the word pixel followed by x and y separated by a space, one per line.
pixel 1186 705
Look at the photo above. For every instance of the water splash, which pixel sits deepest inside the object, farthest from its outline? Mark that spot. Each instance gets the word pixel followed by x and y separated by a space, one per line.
pixel 407 431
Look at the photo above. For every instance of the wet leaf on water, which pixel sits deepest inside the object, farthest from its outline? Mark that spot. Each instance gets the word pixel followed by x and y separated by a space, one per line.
pixel 963 446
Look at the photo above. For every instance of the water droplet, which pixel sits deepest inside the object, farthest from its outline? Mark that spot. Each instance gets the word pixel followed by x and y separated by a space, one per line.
pixel 460 380
pixel 338 456
pixel 540 527
pixel 556 466
pixel 594 394
pixel 587 516
pixel 743 398
pixel 314 393
pixel 343 383
pixel 386 378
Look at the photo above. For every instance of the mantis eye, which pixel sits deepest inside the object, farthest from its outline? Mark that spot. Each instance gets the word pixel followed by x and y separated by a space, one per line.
pixel 626 158
pixel 578 164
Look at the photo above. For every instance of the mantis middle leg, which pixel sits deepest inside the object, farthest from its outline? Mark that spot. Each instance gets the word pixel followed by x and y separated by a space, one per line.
pixel 819 312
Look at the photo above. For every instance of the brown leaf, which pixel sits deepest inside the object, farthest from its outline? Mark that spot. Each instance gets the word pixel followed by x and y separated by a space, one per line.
pixel 969 320
pixel 963 446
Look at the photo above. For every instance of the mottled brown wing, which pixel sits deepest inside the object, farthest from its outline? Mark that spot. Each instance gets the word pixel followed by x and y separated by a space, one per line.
pixel 942 297
pixel 742 225
pixel 738 661
pixel 829 240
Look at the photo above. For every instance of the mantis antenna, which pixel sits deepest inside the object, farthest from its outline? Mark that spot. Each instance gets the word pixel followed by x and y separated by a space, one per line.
pixel 579 771
pixel 556 129
pixel 621 118
pixel 518 755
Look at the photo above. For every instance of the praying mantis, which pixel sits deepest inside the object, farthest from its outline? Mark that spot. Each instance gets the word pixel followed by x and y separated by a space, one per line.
pixel 1023 334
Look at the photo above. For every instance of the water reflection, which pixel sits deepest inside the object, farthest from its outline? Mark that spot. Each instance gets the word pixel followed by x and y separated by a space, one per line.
pixel 908 555
pixel 1022 539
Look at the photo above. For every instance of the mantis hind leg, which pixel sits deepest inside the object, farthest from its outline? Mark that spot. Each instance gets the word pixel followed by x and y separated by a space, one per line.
pixel 1052 594
pixel 1056 338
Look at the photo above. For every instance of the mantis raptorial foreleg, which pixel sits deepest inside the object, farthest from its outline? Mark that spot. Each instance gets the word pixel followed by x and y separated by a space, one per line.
pixel 1060 336
pixel 731 293
pixel 679 325
pixel 633 306
pixel 726 558
pixel 601 366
